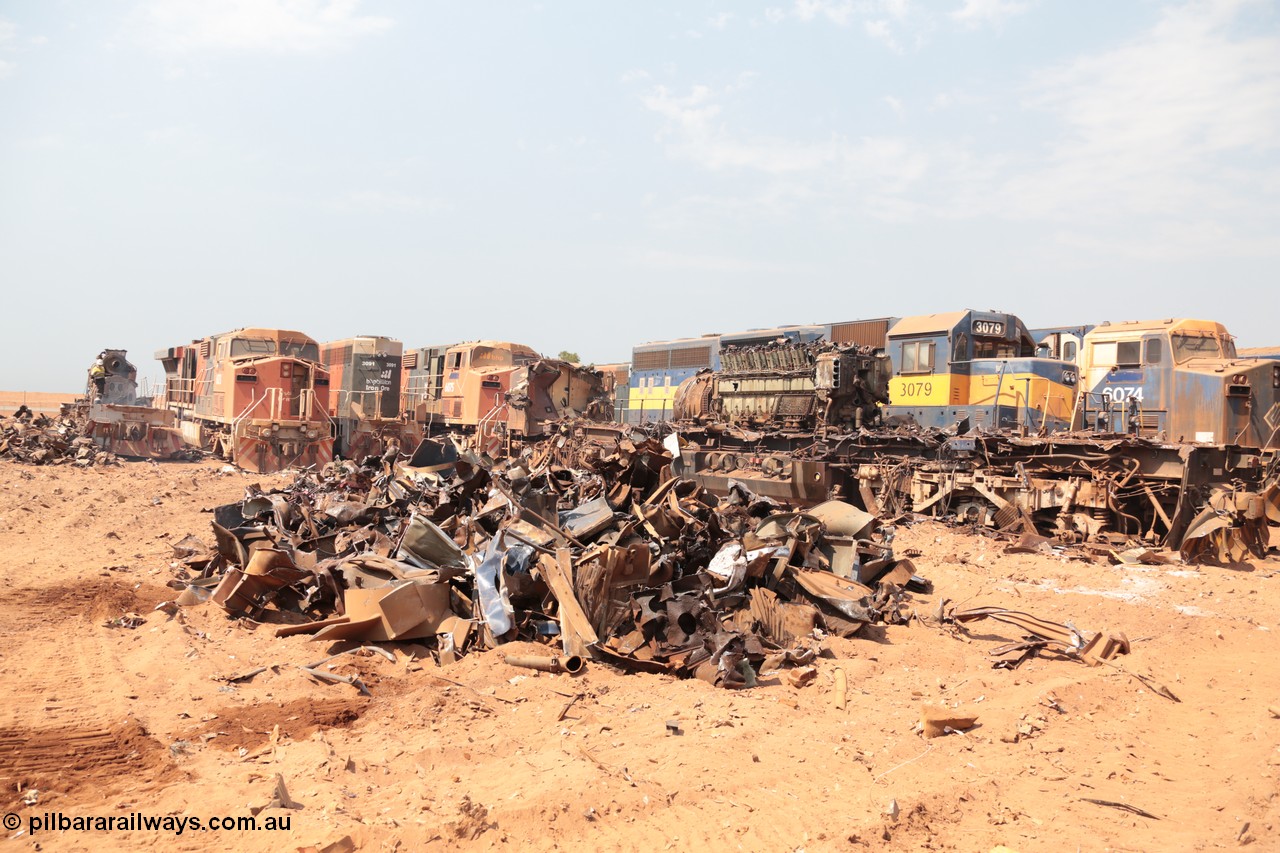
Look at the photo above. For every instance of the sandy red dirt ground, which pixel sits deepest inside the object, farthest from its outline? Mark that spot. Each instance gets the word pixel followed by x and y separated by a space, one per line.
pixel 480 755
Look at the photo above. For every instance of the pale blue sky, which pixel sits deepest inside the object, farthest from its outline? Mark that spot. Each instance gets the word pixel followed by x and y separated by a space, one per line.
pixel 590 175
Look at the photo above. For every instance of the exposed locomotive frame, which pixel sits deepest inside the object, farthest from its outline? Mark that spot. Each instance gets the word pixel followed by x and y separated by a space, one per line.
pixel 1075 487
pixel 120 421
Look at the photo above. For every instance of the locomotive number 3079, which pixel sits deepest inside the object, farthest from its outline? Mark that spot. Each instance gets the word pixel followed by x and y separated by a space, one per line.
pixel 987 327
pixel 917 389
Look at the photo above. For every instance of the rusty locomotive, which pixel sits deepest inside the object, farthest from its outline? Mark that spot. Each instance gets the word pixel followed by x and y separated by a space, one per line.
pixel 364 394
pixel 259 397
pixel 496 392
pixel 1177 380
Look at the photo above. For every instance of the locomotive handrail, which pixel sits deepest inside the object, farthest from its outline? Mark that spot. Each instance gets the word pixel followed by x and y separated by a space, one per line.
pixel 1133 406
pixel 253 404
pixel 272 394
pixel 995 406
pixel 361 398
pixel 180 390
pixel 313 405
pixel 489 416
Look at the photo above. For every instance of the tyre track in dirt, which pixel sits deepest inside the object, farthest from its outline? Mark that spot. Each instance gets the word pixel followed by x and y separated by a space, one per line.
pixel 68 727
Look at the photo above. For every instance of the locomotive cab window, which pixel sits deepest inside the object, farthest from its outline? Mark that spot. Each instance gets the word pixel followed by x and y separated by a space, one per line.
pixel 304 350
pixel 1103 354
pixel 1194 346
pixel 454 360
pixel 1129 354
pixel 490 357
pixel 1155 351
pixel 917 357
pixel 1069 351
pixel 993 349
pixel 252 346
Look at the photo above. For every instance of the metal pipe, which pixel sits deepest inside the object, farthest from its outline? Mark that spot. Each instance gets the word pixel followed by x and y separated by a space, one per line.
pixel 995 409
pixel 571 664
pixel 1026 405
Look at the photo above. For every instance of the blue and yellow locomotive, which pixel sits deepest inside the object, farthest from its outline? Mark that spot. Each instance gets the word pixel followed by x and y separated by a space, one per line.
pixel 976 368
pixel 1178 380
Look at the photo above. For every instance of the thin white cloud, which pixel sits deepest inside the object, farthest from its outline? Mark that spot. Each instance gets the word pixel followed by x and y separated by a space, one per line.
pixel 893 23
pixel 1165 125
pixel 1168 140
pixel 981 13
pixel 840 14
pixel 871 170
pixel 896 105
pixel 720 21
pixel 8 35
pixel 272 26
pixel 882 31
pixel 956 98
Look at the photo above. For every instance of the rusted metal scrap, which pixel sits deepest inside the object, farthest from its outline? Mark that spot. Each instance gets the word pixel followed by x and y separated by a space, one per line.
pixel 42 440
pixel 592 546
pixel 1232 526
pixel 1093 649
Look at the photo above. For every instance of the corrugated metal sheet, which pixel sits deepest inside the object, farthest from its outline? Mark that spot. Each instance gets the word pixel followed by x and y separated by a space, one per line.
pixel 691 357
pixel 651 360
pixel 867 333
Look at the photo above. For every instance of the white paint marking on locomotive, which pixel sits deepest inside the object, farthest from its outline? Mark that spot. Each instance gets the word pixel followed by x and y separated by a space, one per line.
pixel 1120 393
pixel 1272 417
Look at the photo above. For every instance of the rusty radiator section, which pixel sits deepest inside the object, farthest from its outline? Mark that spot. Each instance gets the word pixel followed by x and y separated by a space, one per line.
pixel 790 386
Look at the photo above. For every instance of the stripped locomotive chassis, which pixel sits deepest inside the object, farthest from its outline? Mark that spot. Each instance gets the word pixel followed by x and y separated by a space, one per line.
pixel 1077 488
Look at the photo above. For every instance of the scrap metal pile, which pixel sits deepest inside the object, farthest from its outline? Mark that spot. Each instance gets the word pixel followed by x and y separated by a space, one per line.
pixel 42 440
pixel 593 547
